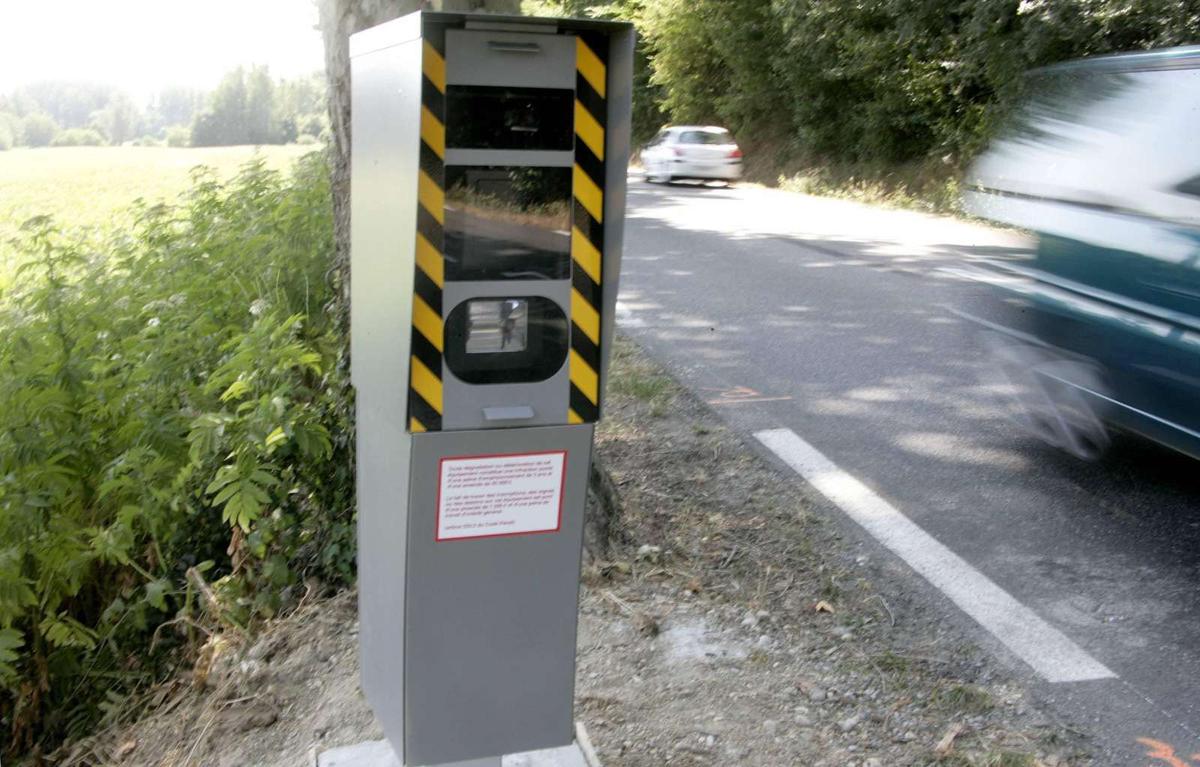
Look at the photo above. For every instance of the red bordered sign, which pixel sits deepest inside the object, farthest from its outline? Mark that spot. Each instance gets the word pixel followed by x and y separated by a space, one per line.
pixel 495 496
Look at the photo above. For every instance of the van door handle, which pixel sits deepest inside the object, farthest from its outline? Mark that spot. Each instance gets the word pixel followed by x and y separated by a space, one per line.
pixel 503 46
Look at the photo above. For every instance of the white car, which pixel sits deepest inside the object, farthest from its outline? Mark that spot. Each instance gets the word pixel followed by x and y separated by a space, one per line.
pixel 700 152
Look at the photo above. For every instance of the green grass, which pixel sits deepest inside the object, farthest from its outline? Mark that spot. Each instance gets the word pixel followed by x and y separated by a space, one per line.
pixel 927 186
pixel 93 186
pixel 637 380
pixel 890 662
pixel 965 699
pixel 647 388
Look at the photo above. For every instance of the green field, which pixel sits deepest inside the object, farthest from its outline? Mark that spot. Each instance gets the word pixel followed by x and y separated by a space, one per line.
pixel 92 186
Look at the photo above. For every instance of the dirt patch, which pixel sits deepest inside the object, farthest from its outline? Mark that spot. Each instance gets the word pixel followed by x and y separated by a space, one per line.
pixel 274 701
pixel 736 627
pixel 727 625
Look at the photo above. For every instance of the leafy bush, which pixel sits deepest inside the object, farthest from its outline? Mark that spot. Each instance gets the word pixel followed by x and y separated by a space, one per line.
pixel 38 129
pixel 312 124
pixel 880 82
pixel 179 135
pixel 78 137
pixel 173 414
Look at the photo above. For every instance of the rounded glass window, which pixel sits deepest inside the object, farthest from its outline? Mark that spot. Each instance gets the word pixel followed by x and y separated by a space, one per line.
pixel 506 340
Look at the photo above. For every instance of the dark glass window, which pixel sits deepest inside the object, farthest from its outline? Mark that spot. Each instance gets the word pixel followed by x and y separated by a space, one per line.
pixel 497 325
pixel 706 137
pixel 507 223
pixel 518 339
pixel 1191 186
pixel 479 117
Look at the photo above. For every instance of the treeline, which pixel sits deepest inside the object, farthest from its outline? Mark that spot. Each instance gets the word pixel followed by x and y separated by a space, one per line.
pixel 247 107
pixel 866 81
pixel 58 113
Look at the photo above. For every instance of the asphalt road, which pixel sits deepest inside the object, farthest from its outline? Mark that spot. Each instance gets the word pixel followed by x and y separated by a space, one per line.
pixel 843 324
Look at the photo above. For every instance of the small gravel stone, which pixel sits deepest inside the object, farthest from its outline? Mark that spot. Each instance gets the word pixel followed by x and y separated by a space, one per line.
pixel 261 715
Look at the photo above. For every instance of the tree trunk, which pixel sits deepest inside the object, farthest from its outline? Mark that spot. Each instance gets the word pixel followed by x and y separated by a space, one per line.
pixel 602 516
pixel 339 19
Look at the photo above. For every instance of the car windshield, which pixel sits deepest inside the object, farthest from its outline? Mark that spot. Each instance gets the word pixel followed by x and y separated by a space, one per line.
pixel 706 137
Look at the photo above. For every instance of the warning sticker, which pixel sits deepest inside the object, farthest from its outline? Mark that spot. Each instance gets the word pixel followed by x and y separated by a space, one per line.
pixel 495 495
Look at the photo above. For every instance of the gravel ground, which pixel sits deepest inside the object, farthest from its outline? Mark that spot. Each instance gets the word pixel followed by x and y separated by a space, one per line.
pixel 726 624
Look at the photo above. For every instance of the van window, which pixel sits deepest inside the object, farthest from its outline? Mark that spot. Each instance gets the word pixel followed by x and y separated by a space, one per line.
pixel 1116 139
pixel 1191 186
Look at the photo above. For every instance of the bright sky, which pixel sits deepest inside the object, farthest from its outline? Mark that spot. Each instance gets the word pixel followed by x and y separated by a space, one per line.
pixel 143 45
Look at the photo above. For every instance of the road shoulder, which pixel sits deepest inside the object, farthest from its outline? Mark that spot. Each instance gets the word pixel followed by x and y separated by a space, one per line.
pixel 726 624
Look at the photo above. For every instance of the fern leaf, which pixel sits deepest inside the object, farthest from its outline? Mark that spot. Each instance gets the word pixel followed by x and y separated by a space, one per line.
pixel 11 640
pixel 64 631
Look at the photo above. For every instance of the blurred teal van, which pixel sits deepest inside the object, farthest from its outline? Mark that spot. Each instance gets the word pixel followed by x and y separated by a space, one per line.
pixel 1101 328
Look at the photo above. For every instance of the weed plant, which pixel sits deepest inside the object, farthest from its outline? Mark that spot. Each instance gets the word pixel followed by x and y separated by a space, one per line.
pixel 175 439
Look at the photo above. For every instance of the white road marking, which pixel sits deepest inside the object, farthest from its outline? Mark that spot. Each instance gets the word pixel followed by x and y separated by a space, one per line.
pixel 625 317
pixel 1046 649
pixel 743 400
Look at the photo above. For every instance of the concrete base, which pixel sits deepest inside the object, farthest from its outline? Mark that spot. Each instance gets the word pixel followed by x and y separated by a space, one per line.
pixel 378 753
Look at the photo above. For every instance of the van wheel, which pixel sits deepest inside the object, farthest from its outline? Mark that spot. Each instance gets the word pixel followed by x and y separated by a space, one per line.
pixel 1078 427
pixel 1032 386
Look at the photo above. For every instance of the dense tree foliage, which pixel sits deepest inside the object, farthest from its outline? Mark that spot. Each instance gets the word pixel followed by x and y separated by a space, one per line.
pixel 248 107
pixel 118 121
pixel 10 130
pixel 70 103
pixel 38 129
pixel 876 81
pixel 104 109
pixel 171 107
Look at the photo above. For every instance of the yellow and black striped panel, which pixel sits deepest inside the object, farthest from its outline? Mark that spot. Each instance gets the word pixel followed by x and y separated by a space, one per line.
pixel 425 377
pixel 587 233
